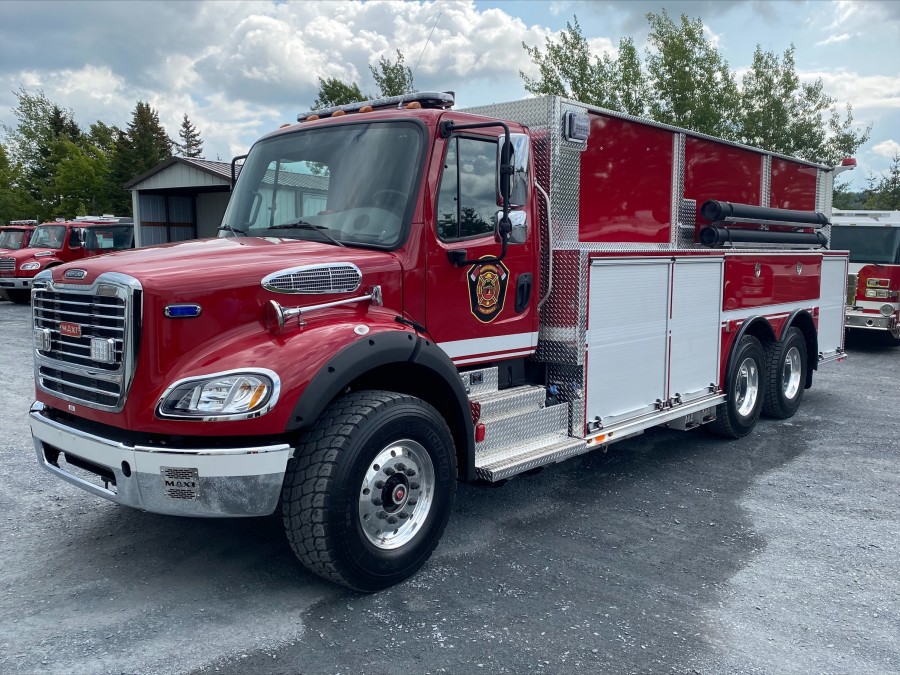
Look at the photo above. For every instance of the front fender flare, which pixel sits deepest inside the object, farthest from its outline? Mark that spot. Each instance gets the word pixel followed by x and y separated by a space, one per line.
pixel 381 349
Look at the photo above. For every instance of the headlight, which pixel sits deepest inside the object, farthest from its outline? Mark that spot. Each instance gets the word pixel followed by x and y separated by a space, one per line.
pixel 887 310
pixel 30 266
pixel 231 395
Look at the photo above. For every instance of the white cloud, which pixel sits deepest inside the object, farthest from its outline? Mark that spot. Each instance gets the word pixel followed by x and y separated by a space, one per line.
pixel 863 92
pixel 834 39
pixel 889 148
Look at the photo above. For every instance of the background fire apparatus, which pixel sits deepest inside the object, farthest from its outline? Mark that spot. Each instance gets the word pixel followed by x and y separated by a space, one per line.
pixel 873 285
pixel 52 244
pixel 347 352
pixel 16 235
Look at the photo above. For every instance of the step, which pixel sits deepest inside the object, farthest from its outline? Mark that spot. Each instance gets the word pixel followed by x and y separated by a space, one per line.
pixel 511 461
pixel 507 401
pixel 480 381
pixel 522 427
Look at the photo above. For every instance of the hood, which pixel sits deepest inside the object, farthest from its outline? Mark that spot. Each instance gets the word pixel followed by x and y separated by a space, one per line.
pixel 210 265
pixel 26 254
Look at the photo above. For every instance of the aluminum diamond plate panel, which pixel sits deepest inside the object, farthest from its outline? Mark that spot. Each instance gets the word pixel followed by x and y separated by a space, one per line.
pixel 518 429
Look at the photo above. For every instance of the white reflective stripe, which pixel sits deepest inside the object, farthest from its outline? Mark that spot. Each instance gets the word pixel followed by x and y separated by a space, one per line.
pixel 489 357
pixel 769 310
pixel 489 345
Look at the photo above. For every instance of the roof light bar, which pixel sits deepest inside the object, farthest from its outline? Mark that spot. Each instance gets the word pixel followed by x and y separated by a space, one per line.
pixel 425 99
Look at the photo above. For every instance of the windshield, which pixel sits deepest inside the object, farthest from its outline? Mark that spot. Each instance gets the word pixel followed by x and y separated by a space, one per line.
pixel 879 245
pixel 48 236
pixel 109 238
pixel 353 184
pixel 12 239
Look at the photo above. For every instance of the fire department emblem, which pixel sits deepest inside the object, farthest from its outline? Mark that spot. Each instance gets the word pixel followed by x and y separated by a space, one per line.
pixel 487 290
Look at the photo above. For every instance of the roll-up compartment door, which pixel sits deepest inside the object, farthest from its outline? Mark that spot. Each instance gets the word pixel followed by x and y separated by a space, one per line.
pixel 695 327
pixel 628 310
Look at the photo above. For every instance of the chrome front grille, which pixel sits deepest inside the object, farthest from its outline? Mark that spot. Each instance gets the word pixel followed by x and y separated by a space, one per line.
pixel 7 264
pixel 85 340
pixel 315 279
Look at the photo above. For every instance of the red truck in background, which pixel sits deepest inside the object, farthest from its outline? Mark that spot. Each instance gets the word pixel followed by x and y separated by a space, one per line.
pixel 52 244
pixel 873 285
pixel 16 235
pixel 403 296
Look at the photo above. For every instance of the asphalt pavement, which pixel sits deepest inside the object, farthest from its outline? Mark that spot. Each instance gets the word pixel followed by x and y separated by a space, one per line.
pixel 673 551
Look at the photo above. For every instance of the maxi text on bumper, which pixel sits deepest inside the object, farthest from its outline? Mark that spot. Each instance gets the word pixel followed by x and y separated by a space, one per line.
pixel 211 482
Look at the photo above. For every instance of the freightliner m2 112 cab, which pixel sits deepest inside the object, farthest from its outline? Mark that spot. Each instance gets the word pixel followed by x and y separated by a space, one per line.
pixel 405 296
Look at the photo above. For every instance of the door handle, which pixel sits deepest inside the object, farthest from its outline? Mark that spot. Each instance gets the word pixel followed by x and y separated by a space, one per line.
pixel 523 291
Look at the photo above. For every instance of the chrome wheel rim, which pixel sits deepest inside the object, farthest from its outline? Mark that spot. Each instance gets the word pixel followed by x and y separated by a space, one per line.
pixel 746 387
pixel 396 494
pixel 790 376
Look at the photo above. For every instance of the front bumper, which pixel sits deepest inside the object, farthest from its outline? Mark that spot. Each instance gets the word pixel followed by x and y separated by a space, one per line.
pixel 855 319
pixel 210 482
pixel 16 283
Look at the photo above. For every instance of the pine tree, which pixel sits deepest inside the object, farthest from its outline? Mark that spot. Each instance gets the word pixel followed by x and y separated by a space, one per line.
pixel 191 144
pixel 143 145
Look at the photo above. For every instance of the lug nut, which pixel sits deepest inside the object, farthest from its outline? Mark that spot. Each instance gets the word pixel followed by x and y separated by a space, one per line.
pixel 412 502
pixel 403 515
pixel 381 514
pixel 413 486
pixel 392 521
pixel 379 484
pixel 377 501
pixel 388 471
pixel 410 472
pixel 401 467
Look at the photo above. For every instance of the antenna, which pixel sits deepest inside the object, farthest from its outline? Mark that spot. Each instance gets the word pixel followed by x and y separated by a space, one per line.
pixel 416 68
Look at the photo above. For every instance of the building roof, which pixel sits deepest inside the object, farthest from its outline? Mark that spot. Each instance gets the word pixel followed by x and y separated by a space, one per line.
pixel 221 170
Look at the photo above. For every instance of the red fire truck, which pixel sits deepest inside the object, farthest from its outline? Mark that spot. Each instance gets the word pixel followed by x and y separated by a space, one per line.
pixel 873 285
pixel 16 235
pixel 58 242
pixel 404 296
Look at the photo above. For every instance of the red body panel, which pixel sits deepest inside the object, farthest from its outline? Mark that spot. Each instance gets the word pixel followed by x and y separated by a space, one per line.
pixel 723 172
pixel 777 282
pixel 793 185
pixel 625 200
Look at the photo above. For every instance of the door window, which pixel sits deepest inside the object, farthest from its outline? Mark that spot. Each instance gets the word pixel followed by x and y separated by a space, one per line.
pixel 467 200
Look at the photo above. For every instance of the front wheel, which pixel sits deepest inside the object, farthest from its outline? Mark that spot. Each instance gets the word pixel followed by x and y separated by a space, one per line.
pixel 368 496
pixel 736 417
pixel 18 296
pixel 786 375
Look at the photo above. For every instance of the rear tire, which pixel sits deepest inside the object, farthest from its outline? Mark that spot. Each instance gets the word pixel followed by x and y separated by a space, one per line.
pixel 18 296
pixel 744 388
pixel 786 375
pixel 368 496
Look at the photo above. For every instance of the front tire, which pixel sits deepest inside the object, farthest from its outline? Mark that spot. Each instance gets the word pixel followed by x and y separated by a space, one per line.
pixel 18 296
pixel 786 375
pixel 736 417
pixel 368 496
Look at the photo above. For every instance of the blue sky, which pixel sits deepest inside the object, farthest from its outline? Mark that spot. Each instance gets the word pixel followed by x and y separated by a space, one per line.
pixel 241 68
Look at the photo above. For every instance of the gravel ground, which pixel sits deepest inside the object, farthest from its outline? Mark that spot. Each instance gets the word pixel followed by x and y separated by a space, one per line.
pixel 674 551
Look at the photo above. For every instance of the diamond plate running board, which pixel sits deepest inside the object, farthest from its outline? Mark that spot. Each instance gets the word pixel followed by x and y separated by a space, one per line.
pixel 499 465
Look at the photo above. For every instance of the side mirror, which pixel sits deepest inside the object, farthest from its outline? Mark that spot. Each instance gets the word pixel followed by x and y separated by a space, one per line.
pixel 513 183
pixel 518 226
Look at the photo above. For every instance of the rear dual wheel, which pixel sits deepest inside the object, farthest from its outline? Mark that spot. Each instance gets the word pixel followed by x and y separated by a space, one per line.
pixel 786 373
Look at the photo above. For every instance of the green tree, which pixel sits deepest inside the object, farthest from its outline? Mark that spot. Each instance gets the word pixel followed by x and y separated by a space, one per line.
pixel 782 114
pixel 191 144
pixel 81 178
pixel 143 145
pixel 883 193
pixel 692 84
pixel 15 201
pixel 567 68
pixel 333 92
pixel 40 123
pixel 393 78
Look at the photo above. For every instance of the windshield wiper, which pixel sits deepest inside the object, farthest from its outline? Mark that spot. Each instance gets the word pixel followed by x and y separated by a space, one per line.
pixel 229 228
pixel 303 225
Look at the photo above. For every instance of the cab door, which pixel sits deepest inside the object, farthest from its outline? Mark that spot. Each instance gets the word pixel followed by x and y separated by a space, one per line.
pixel 479 312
